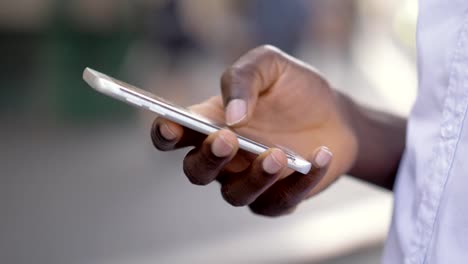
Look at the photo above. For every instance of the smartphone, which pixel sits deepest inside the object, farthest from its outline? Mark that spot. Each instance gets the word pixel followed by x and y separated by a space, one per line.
pixel 183 116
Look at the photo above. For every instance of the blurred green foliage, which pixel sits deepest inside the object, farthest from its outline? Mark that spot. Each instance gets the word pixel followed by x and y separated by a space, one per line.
pixel 42 71
pixel 69 51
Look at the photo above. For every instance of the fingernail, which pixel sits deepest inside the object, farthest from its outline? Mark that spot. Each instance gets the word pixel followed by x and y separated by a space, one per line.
pixel 271 165
pixel 323 157
pixel 236 110
pixel 167 133
pixel 221 148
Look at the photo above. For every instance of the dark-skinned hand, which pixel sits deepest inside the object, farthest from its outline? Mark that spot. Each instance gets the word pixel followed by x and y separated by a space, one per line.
pixel 276 97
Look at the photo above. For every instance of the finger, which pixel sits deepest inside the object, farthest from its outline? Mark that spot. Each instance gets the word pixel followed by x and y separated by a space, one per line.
pixel 240 189
pixel 202 165
pixel 286 194
pixel 167 135
pixel 252 74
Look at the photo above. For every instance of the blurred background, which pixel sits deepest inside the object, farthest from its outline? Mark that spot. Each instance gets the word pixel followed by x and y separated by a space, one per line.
pixel 79 179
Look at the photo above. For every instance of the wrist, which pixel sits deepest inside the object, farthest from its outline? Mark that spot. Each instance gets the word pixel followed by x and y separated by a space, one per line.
pixel 355 121
pixel 381 140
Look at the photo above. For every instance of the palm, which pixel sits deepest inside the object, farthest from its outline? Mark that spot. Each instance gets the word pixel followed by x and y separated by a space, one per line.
pixel 300 114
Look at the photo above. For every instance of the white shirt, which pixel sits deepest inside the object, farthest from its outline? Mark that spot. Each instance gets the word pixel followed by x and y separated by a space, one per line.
pixel 430 221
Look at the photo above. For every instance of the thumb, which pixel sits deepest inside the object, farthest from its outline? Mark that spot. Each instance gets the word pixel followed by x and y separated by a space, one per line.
pixel 243 82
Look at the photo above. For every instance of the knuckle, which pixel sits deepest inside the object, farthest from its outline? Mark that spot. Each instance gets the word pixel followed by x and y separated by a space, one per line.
pixel 239 80
pixel 268 50
pixel 238 75
pixel 268 53
pixel 272 56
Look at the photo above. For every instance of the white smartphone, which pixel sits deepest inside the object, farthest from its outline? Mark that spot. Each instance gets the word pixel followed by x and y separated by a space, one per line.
pixel 183 116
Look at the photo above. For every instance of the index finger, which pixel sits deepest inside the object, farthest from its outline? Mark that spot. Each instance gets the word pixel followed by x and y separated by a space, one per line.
pixel 249 76
pixel 167 135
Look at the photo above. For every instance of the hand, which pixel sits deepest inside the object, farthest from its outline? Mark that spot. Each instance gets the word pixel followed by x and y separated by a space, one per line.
pixel 272 96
